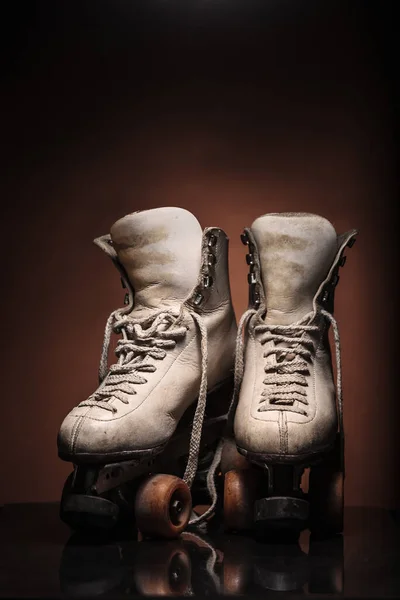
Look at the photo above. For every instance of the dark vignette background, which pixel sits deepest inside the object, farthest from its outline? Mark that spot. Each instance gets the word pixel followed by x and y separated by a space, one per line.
pixel 230 109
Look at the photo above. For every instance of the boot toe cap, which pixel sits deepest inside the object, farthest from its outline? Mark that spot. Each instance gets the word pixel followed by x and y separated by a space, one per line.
pixel 84 437
pixel 277 437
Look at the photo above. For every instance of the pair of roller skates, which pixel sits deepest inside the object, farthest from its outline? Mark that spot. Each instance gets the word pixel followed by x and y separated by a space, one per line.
pixel 194 402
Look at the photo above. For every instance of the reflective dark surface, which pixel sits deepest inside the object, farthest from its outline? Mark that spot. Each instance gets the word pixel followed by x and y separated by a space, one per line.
pixel 39 556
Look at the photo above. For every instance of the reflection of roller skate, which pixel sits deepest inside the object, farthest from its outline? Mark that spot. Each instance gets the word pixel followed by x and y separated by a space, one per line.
pixel 207 563
pixel 91 568
pixel 281 568
pixel 308 566
pixel 237 577
pixel 160 410
pixel 326 571
pixel 188 565
pixel 287 417
pixel 162 569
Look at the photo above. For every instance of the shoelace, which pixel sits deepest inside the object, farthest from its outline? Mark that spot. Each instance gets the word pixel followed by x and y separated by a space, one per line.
pixel 286 375
pixel 142 338
pixel 277 333
pixel 138 342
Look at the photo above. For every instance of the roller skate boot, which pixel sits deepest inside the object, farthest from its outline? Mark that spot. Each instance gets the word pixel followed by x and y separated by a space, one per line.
pixel 288 417
pixel 156 419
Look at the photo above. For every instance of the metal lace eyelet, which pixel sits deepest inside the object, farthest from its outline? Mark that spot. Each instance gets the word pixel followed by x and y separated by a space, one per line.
pixel 250 259
pixel 251 278
pixel 245 238
pixel 198 299
pixel 325 296
pixel 212 240
pixel 207 281
pixel 126 299
pixel 110 242
pixel 211 260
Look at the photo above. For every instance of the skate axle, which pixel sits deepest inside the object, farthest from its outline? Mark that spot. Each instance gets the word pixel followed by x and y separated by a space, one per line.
pixel 175 511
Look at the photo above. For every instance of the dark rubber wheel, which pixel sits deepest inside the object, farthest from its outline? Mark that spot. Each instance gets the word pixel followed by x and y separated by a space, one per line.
pixel 86 513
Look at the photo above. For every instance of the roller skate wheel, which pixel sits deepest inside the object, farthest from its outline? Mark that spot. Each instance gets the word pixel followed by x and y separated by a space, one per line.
pixel 239 498
pixel 163 506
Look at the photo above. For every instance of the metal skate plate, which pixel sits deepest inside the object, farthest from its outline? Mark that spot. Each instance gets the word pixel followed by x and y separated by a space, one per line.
pixel 113 475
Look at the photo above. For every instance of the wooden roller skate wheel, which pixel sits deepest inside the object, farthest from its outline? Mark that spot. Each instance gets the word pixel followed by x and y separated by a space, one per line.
pixel 163 505
pixel 239 498
pixel 231 459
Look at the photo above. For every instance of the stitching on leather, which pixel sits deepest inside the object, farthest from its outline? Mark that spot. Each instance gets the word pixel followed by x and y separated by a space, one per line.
pixel 285 433
pixel 75 431
pixel 281 442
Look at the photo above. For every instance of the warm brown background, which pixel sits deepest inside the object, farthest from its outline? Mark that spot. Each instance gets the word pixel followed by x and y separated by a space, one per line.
pixel 230 110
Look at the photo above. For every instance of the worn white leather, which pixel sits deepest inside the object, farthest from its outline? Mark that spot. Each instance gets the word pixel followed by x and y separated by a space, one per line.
pixel 161 254
pixel 160 251
pixel 296 254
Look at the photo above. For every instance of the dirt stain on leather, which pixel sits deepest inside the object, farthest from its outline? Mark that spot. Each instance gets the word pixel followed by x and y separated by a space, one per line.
pixel 137 250
pixel 283 273
pixel 137 259
pixel 281 241
pixel 127 239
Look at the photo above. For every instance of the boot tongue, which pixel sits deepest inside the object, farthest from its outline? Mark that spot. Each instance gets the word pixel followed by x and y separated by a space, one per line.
pixel 160 250
pixel 296 251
